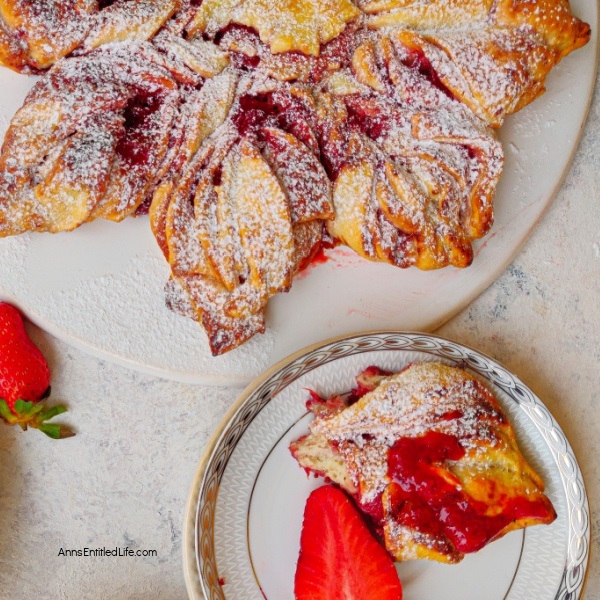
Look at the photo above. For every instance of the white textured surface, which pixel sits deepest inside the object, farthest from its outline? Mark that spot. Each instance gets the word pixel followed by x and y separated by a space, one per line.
pixel 125 477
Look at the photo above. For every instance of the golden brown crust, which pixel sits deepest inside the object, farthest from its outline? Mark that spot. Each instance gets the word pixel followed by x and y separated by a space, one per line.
pixel 37 33
pixel 89 141
pixel 492 55
pixel 415 170
pixel 552 20
pixel 43 31
pixel 247 212
pixel 492 71
pixel 427 15
pixel 288 25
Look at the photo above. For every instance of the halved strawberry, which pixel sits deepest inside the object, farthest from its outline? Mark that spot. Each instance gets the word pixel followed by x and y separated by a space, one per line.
pixel 339 557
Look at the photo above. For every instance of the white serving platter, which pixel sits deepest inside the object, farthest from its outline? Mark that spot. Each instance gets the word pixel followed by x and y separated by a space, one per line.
pixel 100 288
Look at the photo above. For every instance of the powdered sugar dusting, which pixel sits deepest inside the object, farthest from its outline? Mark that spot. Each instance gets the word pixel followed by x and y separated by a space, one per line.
pixel 47 30
pixel 419 400
pixel 301 25
pixel 428 166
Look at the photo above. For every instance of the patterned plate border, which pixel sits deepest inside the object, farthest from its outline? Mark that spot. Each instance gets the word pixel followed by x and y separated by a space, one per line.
pixel 200 568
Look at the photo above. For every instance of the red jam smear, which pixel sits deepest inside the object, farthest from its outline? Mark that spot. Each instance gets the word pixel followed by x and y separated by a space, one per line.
pixel 337 52
pixel 423 499
pixel 313 257
pixel 415 59
pixel 254 111
pixel 277 109
pixel 367 117
pixel 143 208
pixel 134 146
pixel 374 509
pixel 319 257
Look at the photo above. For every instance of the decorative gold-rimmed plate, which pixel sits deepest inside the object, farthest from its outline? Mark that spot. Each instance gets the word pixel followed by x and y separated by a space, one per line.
pixel 244 515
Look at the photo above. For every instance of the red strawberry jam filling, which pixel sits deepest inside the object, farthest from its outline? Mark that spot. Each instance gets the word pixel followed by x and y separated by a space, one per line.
pixel 254 112
pixel 426 497
pixel 368 119
pixel 140 117
pixel 415 59
pixel 278 109
pixel 333 56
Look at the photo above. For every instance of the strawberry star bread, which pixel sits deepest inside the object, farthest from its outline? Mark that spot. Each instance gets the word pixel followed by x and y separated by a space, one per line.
pixel 254 132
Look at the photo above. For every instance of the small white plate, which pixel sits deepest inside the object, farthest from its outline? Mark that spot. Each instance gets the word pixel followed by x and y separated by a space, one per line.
pixel 101 287
pixel 244 514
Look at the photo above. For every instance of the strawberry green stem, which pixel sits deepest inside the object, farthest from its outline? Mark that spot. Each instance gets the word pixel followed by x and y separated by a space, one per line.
pixel 36 415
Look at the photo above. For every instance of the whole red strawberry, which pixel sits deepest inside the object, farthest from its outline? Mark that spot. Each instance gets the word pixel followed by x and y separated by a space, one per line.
pixel 24 378
pixel 339 557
